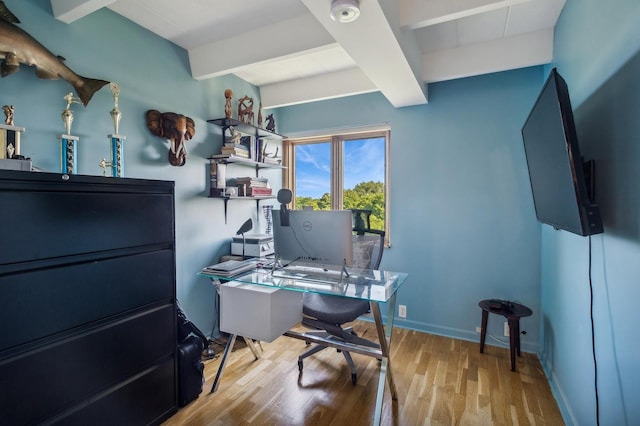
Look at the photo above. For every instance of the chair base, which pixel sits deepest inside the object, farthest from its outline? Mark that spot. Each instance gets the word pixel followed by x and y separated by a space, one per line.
pixel 346 334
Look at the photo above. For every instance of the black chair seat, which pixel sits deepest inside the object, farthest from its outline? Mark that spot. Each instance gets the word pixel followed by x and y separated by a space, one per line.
pixel 333 309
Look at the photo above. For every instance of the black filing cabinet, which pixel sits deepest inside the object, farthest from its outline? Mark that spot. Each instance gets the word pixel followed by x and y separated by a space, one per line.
pixel 87 300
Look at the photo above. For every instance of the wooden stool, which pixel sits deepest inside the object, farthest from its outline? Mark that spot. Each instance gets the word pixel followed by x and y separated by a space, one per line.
pixel 512 311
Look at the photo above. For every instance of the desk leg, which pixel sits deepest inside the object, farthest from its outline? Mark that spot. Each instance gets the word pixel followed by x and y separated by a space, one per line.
pixel 227 349
pixel 252 346
pixel 384 337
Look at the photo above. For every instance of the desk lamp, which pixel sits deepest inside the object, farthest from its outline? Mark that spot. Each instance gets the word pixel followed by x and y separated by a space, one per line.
pixel 247 226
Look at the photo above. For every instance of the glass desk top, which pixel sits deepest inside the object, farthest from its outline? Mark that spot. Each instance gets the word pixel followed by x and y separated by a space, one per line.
pixel 372 285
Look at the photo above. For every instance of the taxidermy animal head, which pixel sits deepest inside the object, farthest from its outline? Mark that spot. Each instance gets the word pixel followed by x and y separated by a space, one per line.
pixel 176 128
pixel 18 47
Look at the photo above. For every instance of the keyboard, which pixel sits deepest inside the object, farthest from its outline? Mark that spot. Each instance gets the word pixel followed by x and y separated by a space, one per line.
pixel 311 272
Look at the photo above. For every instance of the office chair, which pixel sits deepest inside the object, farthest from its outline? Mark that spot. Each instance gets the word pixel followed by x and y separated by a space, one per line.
pixel 328 313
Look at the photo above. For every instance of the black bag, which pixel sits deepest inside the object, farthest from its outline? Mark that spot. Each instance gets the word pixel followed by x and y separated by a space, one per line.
pixel 187 328
pixel 190 370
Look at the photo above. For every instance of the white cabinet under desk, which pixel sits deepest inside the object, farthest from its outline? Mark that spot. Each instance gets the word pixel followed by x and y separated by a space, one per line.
pixel 258 312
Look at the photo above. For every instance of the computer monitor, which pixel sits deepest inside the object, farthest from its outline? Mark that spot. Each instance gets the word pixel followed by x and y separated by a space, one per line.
pixel 318 237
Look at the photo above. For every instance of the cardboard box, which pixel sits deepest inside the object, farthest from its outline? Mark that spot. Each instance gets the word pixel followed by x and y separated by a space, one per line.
pixel 258 312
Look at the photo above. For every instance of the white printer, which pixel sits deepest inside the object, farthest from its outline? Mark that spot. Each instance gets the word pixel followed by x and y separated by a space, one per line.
pixel 255 245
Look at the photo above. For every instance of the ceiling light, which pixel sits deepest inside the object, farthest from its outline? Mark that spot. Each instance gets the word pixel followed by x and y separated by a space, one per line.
pixel 344 11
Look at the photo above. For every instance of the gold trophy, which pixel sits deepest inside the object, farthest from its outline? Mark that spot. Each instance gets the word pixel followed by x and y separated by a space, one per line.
pixel 10 136
pixel 67 114
pixel 117 141
pixel 116 115
pixel 68 157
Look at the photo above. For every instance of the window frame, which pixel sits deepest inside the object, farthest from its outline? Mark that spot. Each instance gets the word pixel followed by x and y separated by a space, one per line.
pixel 337 139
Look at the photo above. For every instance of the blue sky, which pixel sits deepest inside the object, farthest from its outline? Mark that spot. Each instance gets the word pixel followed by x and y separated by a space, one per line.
pixel 363 159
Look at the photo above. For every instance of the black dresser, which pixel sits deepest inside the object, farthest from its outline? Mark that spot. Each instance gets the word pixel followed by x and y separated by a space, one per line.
pixel 87 300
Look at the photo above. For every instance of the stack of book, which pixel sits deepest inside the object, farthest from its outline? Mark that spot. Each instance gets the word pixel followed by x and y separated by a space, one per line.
pixel 235 149
pixel 271 160
pixel 230 268
pixel 253 186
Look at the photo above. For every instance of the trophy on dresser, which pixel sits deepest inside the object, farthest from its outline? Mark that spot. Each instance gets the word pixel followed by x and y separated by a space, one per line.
pixel 9 136
pixel 68 143
pixel 117 141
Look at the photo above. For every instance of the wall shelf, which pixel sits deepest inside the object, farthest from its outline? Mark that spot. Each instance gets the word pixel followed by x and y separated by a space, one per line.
pixel 227 159
pixel 230 159
pixel 245 128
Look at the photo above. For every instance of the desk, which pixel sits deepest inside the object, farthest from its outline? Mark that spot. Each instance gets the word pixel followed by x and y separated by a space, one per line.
pixel 374 286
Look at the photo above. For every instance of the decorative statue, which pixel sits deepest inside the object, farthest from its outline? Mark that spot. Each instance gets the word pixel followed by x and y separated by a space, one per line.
pixel 271 123
pixel 245 110
pixel 260 115
pixel 228 109
pixel 67 114
pixel 19 47
pixel 8 114
pixel 235 136
pixel 116 115
pixel 176 128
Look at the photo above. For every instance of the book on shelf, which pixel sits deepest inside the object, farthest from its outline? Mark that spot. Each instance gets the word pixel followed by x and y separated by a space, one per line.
pixel 230 268
pixel 252 182
pixel 272 160
pixel 250 143
pixel 260 145
pixel 237 152
pixel 254 192
pixel 235 146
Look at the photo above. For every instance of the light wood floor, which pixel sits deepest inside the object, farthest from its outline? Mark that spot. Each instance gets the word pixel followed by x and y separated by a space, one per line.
pixel 440 381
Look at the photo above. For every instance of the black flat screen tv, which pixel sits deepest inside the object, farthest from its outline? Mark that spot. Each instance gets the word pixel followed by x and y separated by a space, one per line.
pixel 556 169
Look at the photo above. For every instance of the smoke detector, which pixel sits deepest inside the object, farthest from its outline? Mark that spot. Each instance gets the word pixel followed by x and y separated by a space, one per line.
pixel 344 11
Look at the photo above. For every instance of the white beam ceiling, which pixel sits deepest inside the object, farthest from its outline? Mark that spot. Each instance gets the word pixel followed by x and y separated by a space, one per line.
pixel 71 10
pixel 295 53
pixel 379 53
pixel 423 13
pixel 245 49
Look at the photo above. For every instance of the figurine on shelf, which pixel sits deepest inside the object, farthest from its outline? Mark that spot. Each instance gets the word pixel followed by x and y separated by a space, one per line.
pixel 228 109
pixel 8 114
pixel 235 136
pixel 260 115
pixel 245 110
pixel 271 123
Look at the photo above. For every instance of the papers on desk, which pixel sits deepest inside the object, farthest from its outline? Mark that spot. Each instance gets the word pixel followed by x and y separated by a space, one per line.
pixel 230 268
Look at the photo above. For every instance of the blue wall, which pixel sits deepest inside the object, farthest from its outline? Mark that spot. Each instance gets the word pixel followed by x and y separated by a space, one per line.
pixel 153 74
pixel 463 224
pixel 596 50
pixel 462 218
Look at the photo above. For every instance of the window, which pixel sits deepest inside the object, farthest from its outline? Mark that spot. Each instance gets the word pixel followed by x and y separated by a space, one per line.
pixel 340 171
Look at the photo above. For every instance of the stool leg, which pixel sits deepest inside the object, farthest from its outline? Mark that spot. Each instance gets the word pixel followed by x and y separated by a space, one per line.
pixel 513 341
pixel 483 329
pixel 518 337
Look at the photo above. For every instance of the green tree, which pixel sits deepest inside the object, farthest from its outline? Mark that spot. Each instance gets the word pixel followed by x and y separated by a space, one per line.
pixel 365 195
